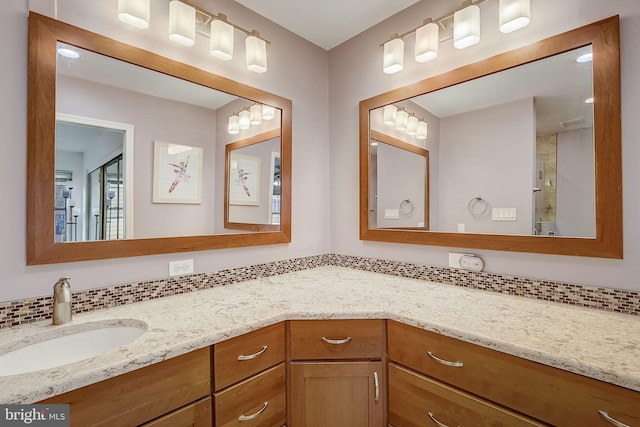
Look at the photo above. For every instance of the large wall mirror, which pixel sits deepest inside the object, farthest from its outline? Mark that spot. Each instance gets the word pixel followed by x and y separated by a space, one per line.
pixel 524 151
pixel 126 152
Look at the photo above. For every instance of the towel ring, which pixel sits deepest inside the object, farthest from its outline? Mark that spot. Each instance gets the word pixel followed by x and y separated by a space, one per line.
pixel 477 206
pixel 406 207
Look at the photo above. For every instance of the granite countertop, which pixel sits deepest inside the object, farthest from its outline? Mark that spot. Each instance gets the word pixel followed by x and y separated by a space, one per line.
pixel 594 343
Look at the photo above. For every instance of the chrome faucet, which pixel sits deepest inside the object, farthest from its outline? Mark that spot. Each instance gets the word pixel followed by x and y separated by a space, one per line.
pixel 62 301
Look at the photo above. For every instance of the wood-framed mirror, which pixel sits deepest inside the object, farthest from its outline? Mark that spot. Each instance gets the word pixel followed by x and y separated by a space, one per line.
pixel 525 149
pixel 92 210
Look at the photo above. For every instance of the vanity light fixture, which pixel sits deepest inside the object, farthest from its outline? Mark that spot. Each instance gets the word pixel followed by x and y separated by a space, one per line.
pixel 514 14
pixel 186 19
pixel 221 44
pixel 255 114
pixel 462 26
pixel 404 121
pixel 268 112
pixel 134 12
pixel 244 119
pixel 466 26
pixel 393 55
pixel 248 116
pixel 421 131
pixel 427 41
pixel 256 52
pixel 234 124
pixel 389 114
pixel 402 117
pixel 412 125
pixel 182 23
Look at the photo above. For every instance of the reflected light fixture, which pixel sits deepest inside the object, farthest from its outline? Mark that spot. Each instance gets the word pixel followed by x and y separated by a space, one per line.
pixel 182 23
pixel 256 51
pixel 393 55
pixel 412 125
pixel 255 114
pixel 583 59
pixel 427 40
pixel 402 118
pixel 514 14
pixel 588 100
pixel 221 44
pixel 466 26
pixel 234 124
pixel 68 53
pixel 134 12
pixel 421 131
pixel 244 119
pixel 268 112
pixel 389 114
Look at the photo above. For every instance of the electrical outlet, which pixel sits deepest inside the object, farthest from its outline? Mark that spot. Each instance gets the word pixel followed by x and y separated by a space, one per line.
pixel 454 259
pixel 179 268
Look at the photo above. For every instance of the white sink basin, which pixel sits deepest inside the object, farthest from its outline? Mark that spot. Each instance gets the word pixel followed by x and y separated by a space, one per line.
pixel 67 344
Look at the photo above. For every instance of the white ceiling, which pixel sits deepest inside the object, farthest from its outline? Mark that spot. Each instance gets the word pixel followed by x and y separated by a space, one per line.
pixel 327 23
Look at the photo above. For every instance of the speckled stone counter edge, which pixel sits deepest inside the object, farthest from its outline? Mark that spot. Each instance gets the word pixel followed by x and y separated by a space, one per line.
pixel 28 310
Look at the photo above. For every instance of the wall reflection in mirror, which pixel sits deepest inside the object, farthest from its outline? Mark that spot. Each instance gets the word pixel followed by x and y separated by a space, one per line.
pixel 520 141
pixel 109 114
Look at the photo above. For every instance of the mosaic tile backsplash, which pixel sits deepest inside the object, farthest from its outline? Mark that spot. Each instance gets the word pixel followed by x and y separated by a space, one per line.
pixel 13 313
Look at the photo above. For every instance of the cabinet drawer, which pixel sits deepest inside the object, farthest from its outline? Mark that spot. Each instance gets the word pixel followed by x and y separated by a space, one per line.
pixel 336 339
pixel 258 401
pixel 248 354
pixel 552 395
pixel 142 395
pixel 197 414
pixel 413 397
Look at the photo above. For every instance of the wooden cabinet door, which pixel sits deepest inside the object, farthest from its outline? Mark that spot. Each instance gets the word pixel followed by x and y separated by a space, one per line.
pixel 337 394
pixel 197 414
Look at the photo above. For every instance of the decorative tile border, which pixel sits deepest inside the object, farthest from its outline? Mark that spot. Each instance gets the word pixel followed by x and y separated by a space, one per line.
pixel 28 310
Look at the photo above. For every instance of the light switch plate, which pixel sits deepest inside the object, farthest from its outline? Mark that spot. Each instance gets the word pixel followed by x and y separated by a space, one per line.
pixel 504 214
pixel 391 213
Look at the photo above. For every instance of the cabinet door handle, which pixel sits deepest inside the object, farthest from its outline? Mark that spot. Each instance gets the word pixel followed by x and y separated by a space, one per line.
pixel 445 362
pixel 612 420
pixel 337 342
pixel 377 384
pixel 438 423
pixel 252 416
pixel 254 355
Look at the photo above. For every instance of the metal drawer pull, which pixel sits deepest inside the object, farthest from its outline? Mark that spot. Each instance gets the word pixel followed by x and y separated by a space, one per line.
pixel 445 362
pixel 438 423
pixel 342 341
pixel 254 355
pixel 252 416
pixel 375 381
pixel 613 421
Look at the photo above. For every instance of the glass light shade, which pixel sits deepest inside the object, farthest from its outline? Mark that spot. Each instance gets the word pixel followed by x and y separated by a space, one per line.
pixel 466 27
pixel 268 112
pixel 182 23
pixel 134 12
pixel 221 41
pixel 514 14
pixel 421 131
pixel 427 40
pixel 393 56
pixel 234 124
pixel 244 119
pixel 412 125
pixel 255 114
pixel 256 51
pixel 401 120
pixel 389 115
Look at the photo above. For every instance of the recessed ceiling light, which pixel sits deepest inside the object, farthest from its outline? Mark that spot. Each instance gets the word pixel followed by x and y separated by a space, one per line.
pixel 587 57
pixel 68 53
pixel 588 101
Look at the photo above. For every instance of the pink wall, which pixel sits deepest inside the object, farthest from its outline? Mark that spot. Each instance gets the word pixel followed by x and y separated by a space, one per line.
pixel 356 74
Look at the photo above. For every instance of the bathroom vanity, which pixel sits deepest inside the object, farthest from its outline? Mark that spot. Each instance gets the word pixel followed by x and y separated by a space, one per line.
pixel 543 363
